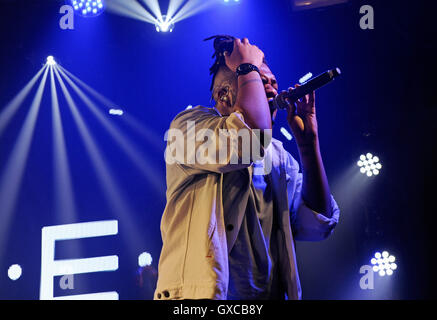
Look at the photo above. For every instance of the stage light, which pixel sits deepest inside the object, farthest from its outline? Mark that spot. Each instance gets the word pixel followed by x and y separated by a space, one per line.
pixel 51 61
pixel 13 171
pixel 8 112
pixel 14 272
pixel 62 178
pixel 116 112
pixel 189 107
pixel 88 8
pixel 145 259
pixel 122 140
pixel 177 10
pixel 164 25
pixel 383 263
pixel 111 190
pixel 146 133
pixel 369 164
pixel 286 133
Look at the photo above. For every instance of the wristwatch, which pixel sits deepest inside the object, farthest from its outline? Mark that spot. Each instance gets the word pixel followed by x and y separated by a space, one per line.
pixel 245 68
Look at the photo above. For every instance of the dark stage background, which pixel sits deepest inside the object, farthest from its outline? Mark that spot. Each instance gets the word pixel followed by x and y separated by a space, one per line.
pixel 384 103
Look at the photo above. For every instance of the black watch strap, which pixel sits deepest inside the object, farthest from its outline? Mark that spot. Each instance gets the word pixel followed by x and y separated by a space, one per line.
pixel 245 68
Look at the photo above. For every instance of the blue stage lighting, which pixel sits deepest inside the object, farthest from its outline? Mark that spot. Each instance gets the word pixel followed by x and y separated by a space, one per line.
pixel 286 133
pixel 116 112
pixel 51 61
pixel 383 263
pixel 88 8
pixel 369 164
pixel 230 2
pixel 145 259
pixel 14 272
pixel 163 24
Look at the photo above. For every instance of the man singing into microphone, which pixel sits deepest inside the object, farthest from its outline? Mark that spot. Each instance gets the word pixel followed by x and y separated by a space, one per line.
pixel 229 227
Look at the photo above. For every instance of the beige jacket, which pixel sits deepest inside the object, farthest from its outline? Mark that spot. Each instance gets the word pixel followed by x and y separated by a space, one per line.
pixel 194 257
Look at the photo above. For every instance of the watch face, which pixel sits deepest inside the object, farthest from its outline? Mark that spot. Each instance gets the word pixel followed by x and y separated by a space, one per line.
pixel 245 68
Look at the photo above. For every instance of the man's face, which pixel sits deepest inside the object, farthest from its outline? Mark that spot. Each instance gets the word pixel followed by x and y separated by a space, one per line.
pixel 270 84
pixel 269 81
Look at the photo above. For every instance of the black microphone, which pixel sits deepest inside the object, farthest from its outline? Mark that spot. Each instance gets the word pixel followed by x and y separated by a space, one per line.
pixel 307 87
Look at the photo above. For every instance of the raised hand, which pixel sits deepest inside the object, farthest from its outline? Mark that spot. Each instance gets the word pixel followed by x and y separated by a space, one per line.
pixel 302 120
pixel 243 52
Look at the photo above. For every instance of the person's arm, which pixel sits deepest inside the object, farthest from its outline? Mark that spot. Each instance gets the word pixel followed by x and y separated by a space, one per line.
pixel 200 140
pixel 315 187
pixel 251 98
pixel 306 223
pixel 303 123
pixel 314 212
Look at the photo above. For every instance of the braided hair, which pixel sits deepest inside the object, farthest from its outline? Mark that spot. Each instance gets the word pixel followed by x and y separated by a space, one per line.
pixel 222 43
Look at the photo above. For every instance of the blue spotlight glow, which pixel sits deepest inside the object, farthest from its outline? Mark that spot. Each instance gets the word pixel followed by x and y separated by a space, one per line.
pixel 145 259
pixel 88 8
pixel 369 164
pixel 286 133
pixel 14 272
pixel 229 2
pixel 116 112
pixel 51 61
pixel 164 24
pixel 383 263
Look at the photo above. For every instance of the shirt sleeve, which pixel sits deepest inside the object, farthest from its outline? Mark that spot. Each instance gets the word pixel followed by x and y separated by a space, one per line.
pixel 307 224
pixel 207 141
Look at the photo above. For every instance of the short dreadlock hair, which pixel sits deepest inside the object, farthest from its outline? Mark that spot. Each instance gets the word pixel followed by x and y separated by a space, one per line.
pixel 222 43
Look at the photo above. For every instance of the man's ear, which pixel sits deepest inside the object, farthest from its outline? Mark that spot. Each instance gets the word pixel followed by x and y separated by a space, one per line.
pixel 223 93
pixel 224 97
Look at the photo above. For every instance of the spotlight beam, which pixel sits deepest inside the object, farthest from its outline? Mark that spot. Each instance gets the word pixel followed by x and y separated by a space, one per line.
pixel 11 179
pixel 173 6
pixel 122 141
pixel 12 107
pixel 191 8
pixel 112 192
pixel 63 187
pixel 101 98
pixel 177 9
pixel 131 9
pixel 153 5
pixel 150 136
pixel 65 209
